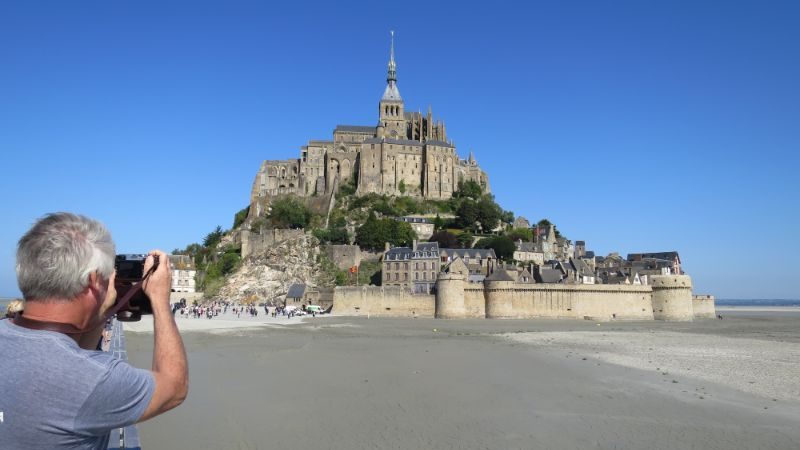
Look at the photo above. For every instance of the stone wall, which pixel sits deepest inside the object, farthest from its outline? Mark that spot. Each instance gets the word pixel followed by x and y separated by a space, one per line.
pixel 704 306
pixel 344 256
pixel 508 300
pixel 456 298
pixel 381 301
pixel 474 300
pixel 256 243
pixel 175 297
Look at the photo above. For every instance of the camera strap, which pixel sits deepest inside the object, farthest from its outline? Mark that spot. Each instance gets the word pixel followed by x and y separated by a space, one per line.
pixel 70 329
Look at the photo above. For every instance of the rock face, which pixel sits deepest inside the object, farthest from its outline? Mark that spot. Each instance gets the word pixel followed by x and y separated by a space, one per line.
pixel 268 273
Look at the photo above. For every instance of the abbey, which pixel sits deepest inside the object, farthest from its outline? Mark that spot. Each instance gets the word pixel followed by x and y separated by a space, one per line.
pixel 405 153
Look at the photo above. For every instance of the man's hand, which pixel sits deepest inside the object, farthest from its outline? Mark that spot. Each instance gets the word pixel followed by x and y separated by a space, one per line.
pixel 89 339
pixel 157 286
pixel 111 297
pixel 170 369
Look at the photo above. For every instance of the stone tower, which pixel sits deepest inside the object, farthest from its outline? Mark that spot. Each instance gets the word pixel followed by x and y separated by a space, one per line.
pixel 672 298
pixel 391 112
pixel 450 296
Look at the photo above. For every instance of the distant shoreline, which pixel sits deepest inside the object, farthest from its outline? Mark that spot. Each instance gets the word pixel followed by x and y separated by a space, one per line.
pixel 755 308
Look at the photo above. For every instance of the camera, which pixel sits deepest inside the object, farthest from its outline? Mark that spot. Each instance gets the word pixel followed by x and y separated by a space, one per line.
pixel 130 270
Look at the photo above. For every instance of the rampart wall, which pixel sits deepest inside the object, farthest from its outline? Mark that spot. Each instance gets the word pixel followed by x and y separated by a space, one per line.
pixel 255 243
pixel 381 301
pixel 344 256
pixel 507 300
pixel 669 298
pixel 704 306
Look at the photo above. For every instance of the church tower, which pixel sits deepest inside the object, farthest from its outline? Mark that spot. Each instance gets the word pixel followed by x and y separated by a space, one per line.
pixel 391 112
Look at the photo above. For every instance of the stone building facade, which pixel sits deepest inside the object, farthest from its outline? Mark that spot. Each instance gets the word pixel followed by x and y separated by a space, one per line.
pixel 404 153
pixel 414 268
pixel 183 272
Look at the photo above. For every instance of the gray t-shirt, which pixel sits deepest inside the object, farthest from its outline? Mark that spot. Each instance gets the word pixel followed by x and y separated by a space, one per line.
pixel 55 395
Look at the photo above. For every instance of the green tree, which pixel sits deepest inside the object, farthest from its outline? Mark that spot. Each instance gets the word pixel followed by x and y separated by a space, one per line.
pixel 445 239
pixel 507 216
pixel 229 262
pixel 214 237
pixel 240 216
pixel 374 233
pixel 503 246
pixel 467 215
pixel 468 189
pixel 524 234
pixel 438 223
pixel 488 214
pixel 402 234
pixel 402 187
pixel 465 239
pixel 289 212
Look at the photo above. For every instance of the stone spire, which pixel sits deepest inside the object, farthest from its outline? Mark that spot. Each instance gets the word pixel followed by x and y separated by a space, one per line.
pixel 392 66
pixel 391 92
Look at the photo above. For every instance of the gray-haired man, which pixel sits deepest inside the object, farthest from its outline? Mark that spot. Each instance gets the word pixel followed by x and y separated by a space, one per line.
pixel 55 390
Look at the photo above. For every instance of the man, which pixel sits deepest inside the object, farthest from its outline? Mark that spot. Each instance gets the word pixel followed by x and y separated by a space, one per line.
pixel 56 392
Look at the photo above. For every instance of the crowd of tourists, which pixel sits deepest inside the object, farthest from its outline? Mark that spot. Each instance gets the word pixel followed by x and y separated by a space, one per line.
pixel 222 308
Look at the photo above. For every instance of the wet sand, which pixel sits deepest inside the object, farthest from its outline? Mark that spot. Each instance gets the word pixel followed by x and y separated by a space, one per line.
pixel 354 383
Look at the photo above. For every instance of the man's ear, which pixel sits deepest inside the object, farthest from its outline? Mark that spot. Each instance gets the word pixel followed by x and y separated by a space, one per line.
pixel 95 281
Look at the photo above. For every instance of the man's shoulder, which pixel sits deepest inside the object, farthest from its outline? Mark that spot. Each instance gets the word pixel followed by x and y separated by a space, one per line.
pixel 48 348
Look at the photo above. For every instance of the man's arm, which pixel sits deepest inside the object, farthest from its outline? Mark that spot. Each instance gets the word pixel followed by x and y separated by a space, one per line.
pixel 170 369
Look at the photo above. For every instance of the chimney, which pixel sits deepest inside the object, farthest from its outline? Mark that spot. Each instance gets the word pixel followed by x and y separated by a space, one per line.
pixel 414 248
pixel 386 247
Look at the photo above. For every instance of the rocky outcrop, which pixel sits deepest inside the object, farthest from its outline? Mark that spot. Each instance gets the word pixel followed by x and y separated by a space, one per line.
pixel 268 273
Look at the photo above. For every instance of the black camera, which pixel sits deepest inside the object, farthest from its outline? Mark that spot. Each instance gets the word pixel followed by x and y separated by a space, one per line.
pixel 130 270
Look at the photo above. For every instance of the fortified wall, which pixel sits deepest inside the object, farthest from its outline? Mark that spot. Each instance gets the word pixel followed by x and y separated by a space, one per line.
pixel 344 256
pixel 256 243
pixel 381 301
pixel 703 306
pixel 668 298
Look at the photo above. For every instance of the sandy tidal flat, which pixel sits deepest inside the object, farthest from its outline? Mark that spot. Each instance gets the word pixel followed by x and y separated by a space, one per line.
pixel 346 383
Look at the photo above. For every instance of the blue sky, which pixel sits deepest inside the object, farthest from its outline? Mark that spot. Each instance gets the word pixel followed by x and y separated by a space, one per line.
pixel 635 126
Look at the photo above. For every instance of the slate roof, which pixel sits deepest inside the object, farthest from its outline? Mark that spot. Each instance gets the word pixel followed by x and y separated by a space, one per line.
pixel 526 246
pixel 500 275
pixel 391 92
pixel 462 253
pixel 525 274
pixel 296 290
pixel 438 143
pixel 355 129
pixel 377 140
pixel 545 275
pixel 582 268
pixel 669 256
pixel 425 250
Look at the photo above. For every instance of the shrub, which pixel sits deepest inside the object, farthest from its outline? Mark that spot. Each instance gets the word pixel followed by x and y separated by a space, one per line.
pixel 289 212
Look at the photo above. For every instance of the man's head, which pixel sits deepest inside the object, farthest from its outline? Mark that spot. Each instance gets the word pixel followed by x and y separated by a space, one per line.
pixel 62 255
